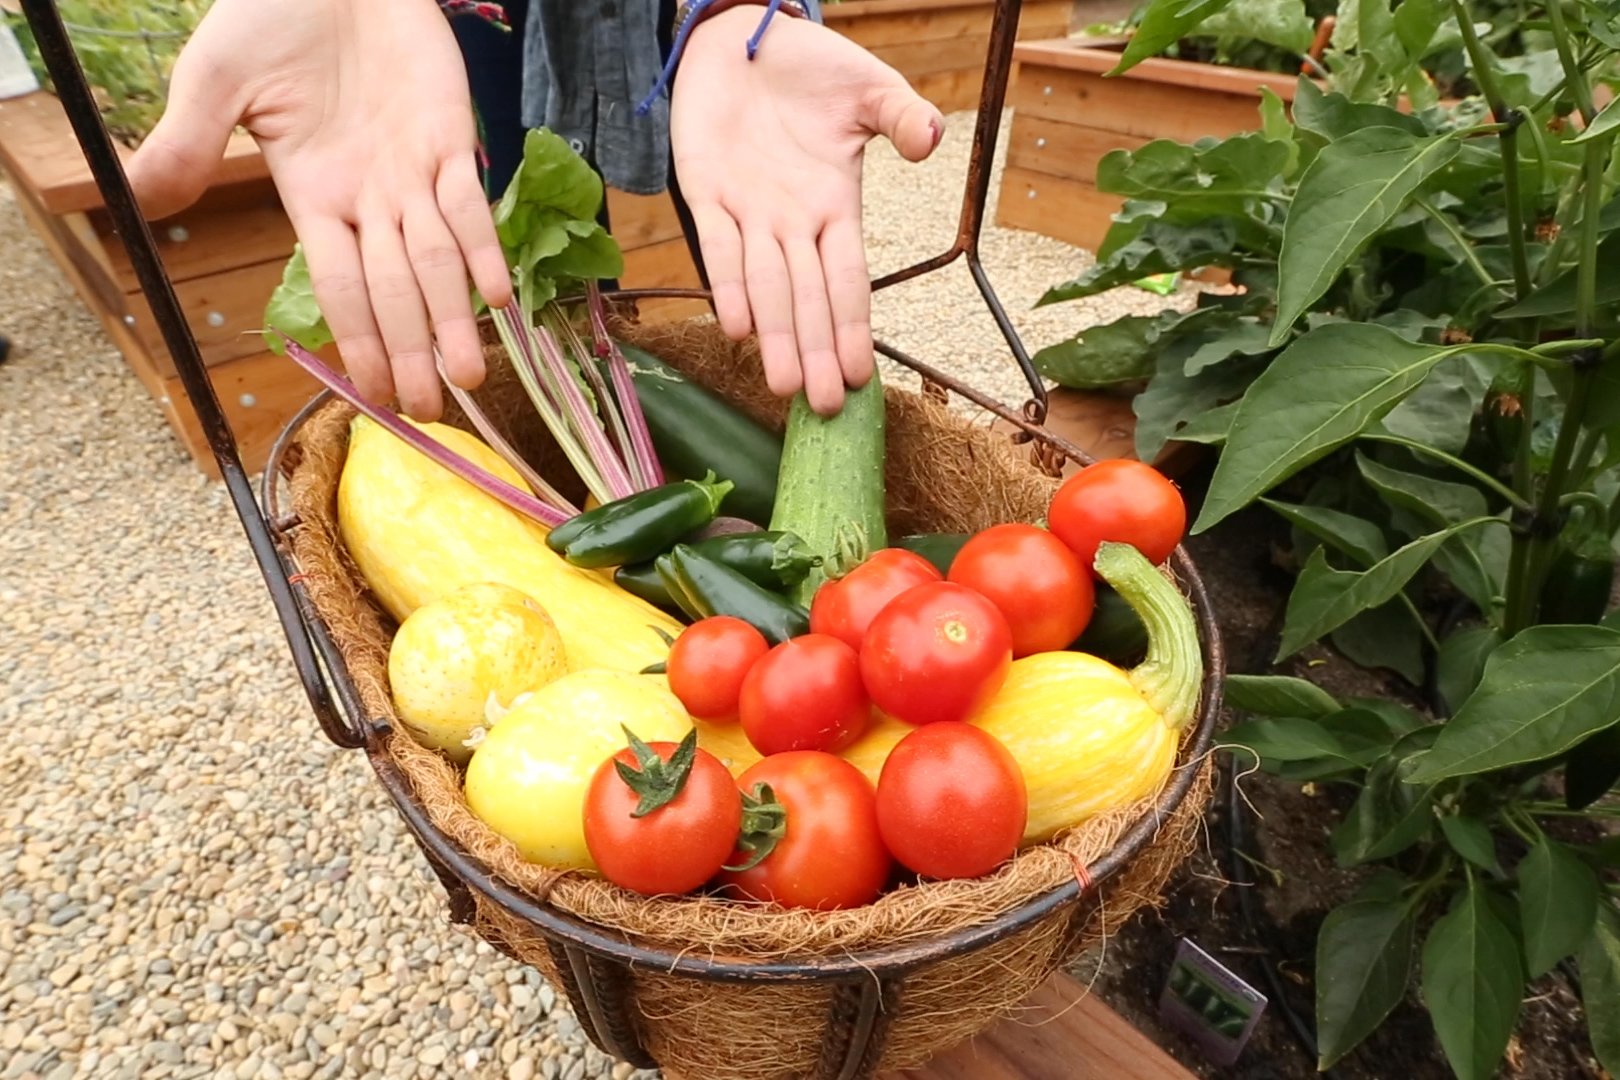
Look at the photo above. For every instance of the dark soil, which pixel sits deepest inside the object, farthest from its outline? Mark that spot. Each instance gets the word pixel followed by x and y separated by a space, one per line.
pixel 1299 881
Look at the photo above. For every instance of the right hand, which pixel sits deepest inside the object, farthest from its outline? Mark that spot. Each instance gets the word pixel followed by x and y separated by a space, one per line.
pixel 364 116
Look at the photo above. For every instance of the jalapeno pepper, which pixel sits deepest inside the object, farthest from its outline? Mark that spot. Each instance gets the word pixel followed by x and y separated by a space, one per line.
pixel 640 526
pixel 702 587
pixel 774 560
pixel 1577 588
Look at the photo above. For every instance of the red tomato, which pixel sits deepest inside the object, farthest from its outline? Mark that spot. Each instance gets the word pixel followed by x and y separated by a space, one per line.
pixel 1121 500
pixel 708 662
pixel 1035 581
pixel 936 653
pixel 830 854
pixel 805 694
pixel 678 846
pixel 846 607
pixel 951 801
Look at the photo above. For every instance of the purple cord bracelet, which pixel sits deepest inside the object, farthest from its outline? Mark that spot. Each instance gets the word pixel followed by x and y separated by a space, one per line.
pixel 679 46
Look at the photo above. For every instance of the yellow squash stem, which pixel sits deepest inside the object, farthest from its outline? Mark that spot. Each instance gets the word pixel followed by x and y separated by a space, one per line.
pixel 1170 678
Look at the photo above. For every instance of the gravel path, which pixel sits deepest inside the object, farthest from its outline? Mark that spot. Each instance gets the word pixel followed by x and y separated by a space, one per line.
pixel 192 881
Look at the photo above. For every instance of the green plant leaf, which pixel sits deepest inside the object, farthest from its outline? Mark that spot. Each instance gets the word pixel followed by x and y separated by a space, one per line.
pixel 1172 398
pixel 1389 815
pixel 1356 537
pixel 1599 963
pixel 1592 769
pixel 1321 392
pixel 1557 297
pixel 1355 186
pixel 1163 23
pixel 1329 116
pixel 1558 898
pixel 1416 23
pixel 1278 695
pixel 1244 337
pixel 1386 636
pixel 1471 838
pixel 292 309
pixel 1275 125
pixel 1162 247
pixel 1212 178
pixel 1282 23
pixel 1345 740
pixel 1543 692
pixel 1363 964
pixel 1439 501
pixel 1440 412
pixel 1461 663
pixel 1472 982
pixel 1324 598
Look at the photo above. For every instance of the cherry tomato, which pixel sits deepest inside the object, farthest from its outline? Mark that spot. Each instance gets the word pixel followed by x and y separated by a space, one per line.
pixel 805 694
pixel 708 662
pixel 679 845
pixel 1035 581
pixel 951 801
pixel 937 652
pixel 846 607
pixel 1121 500
pixel 829 854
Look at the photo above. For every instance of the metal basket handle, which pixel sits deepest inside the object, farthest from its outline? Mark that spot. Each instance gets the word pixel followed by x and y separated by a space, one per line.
pixel 345 726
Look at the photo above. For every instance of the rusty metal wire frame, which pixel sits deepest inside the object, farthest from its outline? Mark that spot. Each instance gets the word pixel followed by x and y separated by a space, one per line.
pixel 593 961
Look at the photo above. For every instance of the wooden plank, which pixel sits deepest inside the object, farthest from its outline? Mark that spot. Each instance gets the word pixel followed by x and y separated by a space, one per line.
pixel 224 310
pixel 1095 56
pixel 37 147
pixel 641 220
pixel 951 91
pixel 230 227
pixel 1103 424
pixel 259 394
pixel 1061 1033
pixel 665 265
pixel 875 23
pixel 1132 107
pixel 1050 146
pixel 1055 206
pixel 915 59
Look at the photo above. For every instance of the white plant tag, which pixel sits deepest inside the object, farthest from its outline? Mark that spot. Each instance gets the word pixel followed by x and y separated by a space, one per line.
pixel 16 77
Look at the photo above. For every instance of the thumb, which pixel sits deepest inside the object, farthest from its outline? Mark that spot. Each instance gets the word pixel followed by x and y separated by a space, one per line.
pixel 175 163
pixel 904 117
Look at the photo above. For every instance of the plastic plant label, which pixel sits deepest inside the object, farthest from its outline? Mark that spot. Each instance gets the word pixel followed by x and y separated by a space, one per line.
pixel 1211 1006
pixel 16 77
pixel 1163 284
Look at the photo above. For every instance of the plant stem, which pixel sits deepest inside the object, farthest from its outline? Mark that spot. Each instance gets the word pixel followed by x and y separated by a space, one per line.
pixel 1422 623
pixel 1452 229
pixel 1574 75
pixel 1478 474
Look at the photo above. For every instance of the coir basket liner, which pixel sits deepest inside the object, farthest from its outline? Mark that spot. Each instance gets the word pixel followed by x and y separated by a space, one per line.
pixel 715 990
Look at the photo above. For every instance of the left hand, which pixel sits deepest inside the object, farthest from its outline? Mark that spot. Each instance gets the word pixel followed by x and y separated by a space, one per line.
pixel 768 152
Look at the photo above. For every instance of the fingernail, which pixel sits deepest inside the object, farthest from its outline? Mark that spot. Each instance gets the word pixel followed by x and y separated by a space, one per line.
pixel 937 126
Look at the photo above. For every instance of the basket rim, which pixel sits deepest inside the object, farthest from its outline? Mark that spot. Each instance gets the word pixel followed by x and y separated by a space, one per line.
pixel 877 962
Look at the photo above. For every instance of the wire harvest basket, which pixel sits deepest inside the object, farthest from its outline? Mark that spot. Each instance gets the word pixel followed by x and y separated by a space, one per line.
pixel 705 989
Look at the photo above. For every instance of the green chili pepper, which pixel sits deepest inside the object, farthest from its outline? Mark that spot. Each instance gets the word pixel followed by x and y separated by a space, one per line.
pixel 703 587
pixel 638 527
pixel 1577 588
pixel 774 560
pixel 642 579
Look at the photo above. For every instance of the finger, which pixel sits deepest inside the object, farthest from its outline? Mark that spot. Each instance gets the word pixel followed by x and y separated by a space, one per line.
pixel 849 294
pixel 339 282
pixel 175 163
pixel 905 118
pixel 770 300
pixel 401 316
pixel 466 211
pixel 812 324
pixel 443 280
pixel 722 248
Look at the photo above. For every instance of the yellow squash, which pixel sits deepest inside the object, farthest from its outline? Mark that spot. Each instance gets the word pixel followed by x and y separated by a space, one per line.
pixel 1088 736
pixel 452 657
pixel 418 532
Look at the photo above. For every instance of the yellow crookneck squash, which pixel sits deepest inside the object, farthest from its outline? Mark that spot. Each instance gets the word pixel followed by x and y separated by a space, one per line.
pixel 1088 736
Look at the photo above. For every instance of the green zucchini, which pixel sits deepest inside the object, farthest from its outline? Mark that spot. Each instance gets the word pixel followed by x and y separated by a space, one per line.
pixel 695 432
pixel 829 491
pixel 1115 632
pixel 938 548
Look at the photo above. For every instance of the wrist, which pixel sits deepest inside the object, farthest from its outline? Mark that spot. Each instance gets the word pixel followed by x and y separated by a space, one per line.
pixel 692 14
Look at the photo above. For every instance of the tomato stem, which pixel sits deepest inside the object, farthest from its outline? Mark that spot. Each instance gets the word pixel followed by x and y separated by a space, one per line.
pixel 764 823
pixel 1170 677
pixel 656 782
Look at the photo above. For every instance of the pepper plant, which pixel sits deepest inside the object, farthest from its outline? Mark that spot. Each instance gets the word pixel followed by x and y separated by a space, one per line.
pixel 1421 374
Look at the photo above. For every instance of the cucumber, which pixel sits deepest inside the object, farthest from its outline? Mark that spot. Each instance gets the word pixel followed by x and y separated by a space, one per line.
pixel 695 432
pixel 829 491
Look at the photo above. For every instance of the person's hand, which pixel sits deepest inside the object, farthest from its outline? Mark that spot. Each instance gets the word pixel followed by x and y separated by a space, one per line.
pixel 768 153
pixel 363 112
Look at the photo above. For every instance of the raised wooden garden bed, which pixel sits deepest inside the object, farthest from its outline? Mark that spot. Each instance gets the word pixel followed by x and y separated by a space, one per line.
pixel 1067 116
pixel 225 256
pixel 940 45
